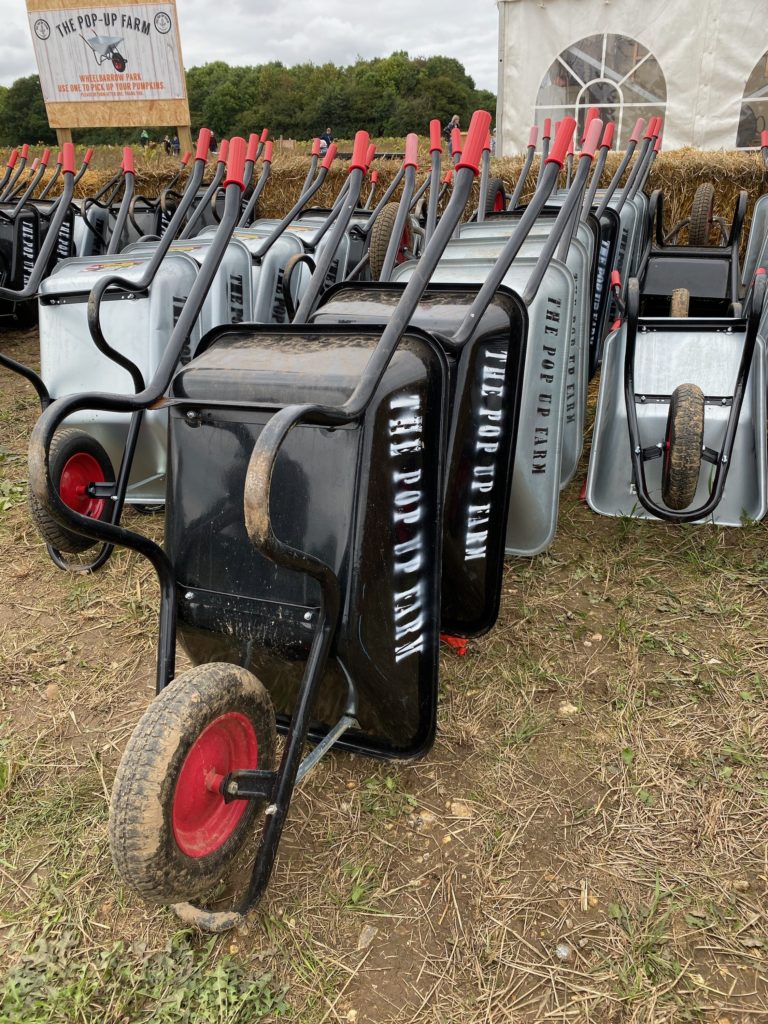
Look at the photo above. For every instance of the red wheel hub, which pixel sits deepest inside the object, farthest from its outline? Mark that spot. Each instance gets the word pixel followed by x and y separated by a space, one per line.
pixel 79 471
pixel 498 203
pixel 202 821
pixel 402 249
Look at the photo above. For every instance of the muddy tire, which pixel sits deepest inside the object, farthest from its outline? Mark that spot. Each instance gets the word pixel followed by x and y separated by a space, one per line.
pixel 496 199
pixel 76 459
pixel 171 833
pixel 702 215
pixel 682 448
pixel 681 299
pixel 381 232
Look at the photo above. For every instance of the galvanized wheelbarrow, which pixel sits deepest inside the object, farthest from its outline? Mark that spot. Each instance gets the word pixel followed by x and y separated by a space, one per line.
pixel 337 438
pixel 106 48
pixel 676 394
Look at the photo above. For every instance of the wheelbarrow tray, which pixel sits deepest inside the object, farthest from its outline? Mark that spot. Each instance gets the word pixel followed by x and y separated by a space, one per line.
pixel 365 498
pixel 534 497
pixel 668 353
pixel 488 250
pixel 138 324
pixel 230 299
pixel 485 393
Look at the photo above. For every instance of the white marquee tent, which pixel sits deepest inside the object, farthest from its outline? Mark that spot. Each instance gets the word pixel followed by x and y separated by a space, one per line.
pixel 702 64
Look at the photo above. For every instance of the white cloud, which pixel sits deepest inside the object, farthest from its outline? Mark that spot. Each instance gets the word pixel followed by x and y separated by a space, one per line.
pixel 301 31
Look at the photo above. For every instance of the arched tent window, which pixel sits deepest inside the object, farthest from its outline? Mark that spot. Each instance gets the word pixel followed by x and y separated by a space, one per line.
pixel 614 73
pixel 753 116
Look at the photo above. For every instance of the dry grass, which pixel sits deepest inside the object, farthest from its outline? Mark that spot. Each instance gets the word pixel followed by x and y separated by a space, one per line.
pixel 586 843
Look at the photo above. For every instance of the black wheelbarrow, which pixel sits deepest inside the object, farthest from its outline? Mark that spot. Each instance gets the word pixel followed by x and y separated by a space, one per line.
pixel 302 562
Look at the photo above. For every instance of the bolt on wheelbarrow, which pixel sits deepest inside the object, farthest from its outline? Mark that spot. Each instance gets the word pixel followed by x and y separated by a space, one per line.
pixel 335 437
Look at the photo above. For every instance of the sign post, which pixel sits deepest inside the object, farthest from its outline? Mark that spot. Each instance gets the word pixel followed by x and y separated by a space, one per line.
pixel 110 65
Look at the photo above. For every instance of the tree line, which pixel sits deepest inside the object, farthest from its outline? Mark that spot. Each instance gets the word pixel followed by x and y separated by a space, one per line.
pixel 387 96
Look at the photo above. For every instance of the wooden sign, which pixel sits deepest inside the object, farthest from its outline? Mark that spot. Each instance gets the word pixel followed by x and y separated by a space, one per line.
pixel 110 64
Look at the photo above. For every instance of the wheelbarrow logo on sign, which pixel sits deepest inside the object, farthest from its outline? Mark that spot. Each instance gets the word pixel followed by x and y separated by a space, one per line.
pixel 79 49
pixel 106 48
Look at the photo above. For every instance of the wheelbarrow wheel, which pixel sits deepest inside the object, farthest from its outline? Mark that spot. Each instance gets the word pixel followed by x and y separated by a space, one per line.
pixel 172 835
pixel 119 63
pixel 381 232
pixel 76 460
pixel 681 299
pixel 496 199
pixel 682 447
pixel 702 214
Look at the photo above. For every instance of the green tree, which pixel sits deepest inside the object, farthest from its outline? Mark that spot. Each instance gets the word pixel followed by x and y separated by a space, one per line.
pixel 23 113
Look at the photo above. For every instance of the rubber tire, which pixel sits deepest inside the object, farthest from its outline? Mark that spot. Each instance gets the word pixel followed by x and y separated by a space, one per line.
pixel 495 194
pixel 381 232
pixel 702 214
pixel 682 450
pixel 66 443
pixel 681 299
pixel 144 850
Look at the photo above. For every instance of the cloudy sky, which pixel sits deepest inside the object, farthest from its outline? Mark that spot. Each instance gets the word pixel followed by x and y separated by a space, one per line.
pixel 295 31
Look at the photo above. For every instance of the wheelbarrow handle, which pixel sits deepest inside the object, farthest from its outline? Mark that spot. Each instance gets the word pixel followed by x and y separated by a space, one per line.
pixel 315 148
pixel 370 156
pixel 15 156
pixel 203 144
pixel 411 150
pixel 533 137
pixel 592 113
pixel 435 136
pixel 128 164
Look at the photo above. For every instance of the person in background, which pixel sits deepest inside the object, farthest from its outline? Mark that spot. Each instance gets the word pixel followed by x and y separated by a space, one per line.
pixel 453 123
pixel 214 146
pixel 167 144
pixel 325 140
pixel 175 145
pixel 144 138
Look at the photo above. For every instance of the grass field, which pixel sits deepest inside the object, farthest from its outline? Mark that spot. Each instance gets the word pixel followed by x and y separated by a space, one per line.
pixel 586 842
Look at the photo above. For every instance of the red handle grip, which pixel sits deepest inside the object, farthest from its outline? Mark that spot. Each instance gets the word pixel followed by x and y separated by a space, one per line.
pixel 253 145
pixel 223 151
pixel 15 156
pixel 369 156
pixel 374 177
pixel 592 113
pixel 88 156
pixel 435 136
pixel 264 134
pixel 455 141
pixel 571 148
pixel 638 130
pixel 128 167
pixel 563 139
pixel 592 138
pixel 650 129
pixel 267 158
pixel 448 178
pixel 547 133
pixel 659 125
pixel 58 158
pixel 533 137
pixel 487 143
pixel 607 142
pixel 473 149
pixel 45 157
pixel 316 147
pixel 236 155
pixel 615 279
pixel 763 141
pixel 411 150
pixel 35 163
pixel 186 158
pixel 25 151
pixel 203 144
pixel 657 144
pixel 68 158
pixel 330 156
pixel 359 149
